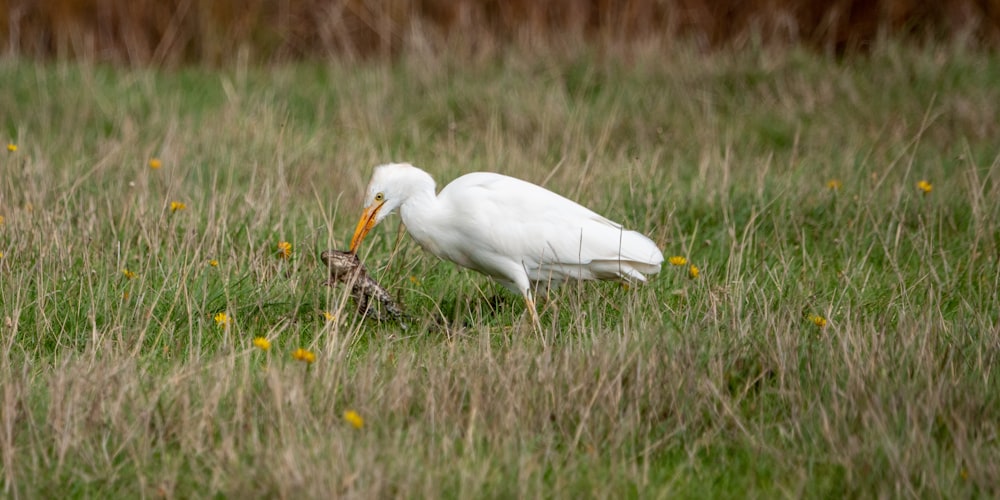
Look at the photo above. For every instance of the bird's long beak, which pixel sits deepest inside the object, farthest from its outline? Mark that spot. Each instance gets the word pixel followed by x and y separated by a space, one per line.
pixel 365 224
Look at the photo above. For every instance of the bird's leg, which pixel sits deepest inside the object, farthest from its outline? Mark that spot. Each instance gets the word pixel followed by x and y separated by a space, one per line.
pixel 530 303
pixel 541 294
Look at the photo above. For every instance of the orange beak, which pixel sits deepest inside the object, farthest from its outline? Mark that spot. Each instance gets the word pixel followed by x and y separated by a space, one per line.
pixel 365 224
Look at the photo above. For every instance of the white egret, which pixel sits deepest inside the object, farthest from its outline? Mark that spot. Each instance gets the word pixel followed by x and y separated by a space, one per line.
pixel 515 232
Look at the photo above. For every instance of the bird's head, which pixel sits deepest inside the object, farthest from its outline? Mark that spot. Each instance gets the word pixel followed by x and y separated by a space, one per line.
pixel 391 185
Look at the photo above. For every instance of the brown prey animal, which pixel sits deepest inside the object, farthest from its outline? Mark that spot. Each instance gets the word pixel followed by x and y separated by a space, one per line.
pixel 372 300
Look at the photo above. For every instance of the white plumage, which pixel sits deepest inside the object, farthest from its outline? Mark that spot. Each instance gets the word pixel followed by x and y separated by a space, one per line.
pixel 518 233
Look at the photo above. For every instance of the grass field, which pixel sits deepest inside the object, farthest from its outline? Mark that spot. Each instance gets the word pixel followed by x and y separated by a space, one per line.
pixel 841 337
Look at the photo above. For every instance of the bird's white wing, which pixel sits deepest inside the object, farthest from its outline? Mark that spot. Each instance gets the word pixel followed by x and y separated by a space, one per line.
pixel 500 217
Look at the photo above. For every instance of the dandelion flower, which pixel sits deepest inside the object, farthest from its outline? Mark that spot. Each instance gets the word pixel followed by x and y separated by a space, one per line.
pixel 129 274
pixel 833 184
pixel 262 343
pixel 354 419
pixel 818 320
pixel 693 271
pixel 304 355
pixel 177 205
pixel 677 260
pixel 925 187
pixel 155 164
pixel 284 249
pixel 327 316
pixel 213 263
pixel 414 280
pixel 11 147
pixel 222 319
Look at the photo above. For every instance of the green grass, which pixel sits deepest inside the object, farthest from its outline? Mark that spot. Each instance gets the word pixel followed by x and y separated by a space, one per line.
pixel 715 386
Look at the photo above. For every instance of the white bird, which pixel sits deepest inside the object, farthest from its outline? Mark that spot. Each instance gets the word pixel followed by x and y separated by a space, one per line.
pixel 520 234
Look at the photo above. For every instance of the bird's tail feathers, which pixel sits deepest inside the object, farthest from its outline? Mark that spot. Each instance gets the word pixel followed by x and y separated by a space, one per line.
pixel 636 249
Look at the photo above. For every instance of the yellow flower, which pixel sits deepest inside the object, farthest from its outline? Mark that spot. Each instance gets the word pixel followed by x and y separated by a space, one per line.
pixel 213 263
pixel 833 184
pixel 354 419
pixel 677 260
pixel 1 219
pixel 414 280
pixel 818 320
pixel 11 147
pixel 925 186
pixel 125 296
pixel 284 249
pixel 1 255
pixel 154 163
pixel 693 271
pixel 177 205
pixel 262 343
pixel 327 316
pixel 222 319
pixel 304 355
pixel 129 274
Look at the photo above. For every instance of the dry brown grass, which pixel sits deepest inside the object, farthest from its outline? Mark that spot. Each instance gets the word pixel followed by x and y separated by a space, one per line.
pixel 226 425
pixel 142 32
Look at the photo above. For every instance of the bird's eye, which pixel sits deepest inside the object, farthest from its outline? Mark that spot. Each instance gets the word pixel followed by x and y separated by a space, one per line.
pixel 379 197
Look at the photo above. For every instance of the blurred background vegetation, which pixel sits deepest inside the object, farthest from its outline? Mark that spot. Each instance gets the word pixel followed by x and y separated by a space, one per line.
pixel 168 33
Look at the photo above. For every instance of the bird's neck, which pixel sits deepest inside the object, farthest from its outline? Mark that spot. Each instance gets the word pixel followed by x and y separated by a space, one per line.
pixel 421 214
